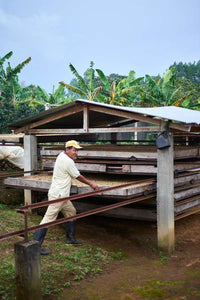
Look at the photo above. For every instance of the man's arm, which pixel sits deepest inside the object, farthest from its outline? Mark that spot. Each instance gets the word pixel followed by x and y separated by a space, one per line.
pixel 93 185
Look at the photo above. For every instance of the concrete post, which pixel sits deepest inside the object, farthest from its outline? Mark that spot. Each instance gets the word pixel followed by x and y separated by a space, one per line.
pixel 30 161
pixel 165 198
pixel 28 271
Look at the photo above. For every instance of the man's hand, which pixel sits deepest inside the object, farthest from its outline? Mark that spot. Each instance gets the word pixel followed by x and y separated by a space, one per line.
pixel 95 186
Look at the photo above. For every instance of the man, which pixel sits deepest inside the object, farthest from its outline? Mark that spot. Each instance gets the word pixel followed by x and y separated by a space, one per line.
pixel 64 171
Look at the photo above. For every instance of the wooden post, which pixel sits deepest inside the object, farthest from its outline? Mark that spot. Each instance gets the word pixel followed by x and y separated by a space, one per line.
pixel 165 198
pixel 30 162
pixel 28 271
pixel 85 118
pixel 136 133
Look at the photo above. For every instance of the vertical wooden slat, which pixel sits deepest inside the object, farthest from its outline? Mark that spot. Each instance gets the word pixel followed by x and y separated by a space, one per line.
pixel 85 118
pixel 165 198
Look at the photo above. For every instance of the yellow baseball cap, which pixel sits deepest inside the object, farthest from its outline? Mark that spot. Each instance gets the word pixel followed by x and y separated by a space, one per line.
pixel 73 143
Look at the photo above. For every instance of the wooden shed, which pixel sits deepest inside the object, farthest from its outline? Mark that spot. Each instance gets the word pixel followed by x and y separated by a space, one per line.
pixel 120 146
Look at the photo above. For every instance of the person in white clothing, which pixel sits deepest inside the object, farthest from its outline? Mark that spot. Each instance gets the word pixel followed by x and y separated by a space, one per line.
pixel 63 173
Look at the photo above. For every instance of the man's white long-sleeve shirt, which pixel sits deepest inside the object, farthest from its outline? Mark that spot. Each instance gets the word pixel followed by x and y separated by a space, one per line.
pixel 64 171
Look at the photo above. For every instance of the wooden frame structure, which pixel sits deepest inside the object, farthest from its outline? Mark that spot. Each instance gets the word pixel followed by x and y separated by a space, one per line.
pixel 84 119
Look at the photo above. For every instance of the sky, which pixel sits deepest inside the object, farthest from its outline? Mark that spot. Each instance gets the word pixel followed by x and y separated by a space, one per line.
pixel 146 36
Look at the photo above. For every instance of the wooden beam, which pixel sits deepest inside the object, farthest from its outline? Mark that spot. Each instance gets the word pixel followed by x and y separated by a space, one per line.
pixel 49 119
pixel 42 185
pixel 187 193
pixel 30 162
pixel 57 116
pixel 94 130
pixel 139 117
pixel 131 213
pixel 7 138
pixel 27 270
pixel 85 118
pixel 165 198
pixel 30 153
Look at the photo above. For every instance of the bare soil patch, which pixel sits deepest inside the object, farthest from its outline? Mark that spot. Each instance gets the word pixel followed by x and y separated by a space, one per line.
pixel 144 272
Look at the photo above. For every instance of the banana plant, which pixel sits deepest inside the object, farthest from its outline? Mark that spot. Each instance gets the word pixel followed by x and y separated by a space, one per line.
pixel 86 86
pixel 37 97
pixel 162 91
pixel 9 82
pixel 9 92
pixel 119 93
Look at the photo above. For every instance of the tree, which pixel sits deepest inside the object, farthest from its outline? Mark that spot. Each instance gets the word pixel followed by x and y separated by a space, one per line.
pixel 9 84
pixel 187 87
pixel 86 85
pixel 9 91
pixel 190 71
pixel 123 92
pixel 38 98
pixel 162 91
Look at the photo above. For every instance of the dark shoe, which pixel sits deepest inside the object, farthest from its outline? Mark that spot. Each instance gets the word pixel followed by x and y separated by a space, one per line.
pixel 44 252
pixel 73 241
pixel 39 236
pixel 70 233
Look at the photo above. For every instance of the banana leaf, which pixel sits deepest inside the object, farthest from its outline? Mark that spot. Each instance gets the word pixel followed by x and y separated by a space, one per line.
pixel 81 81
pixel 74 89
pixel 103 79
pixel 7 56
pixel 19 67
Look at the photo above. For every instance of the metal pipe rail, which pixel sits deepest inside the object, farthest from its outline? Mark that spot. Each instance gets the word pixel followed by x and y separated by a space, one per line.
pixel 26 208
pixel 135 199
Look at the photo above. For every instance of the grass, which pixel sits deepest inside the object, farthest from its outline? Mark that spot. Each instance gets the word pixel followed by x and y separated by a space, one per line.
pixel 156 289
pixel 64 268
pixel 163 258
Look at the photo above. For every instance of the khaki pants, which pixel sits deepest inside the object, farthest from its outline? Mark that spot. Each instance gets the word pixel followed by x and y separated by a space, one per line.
pixel 66 207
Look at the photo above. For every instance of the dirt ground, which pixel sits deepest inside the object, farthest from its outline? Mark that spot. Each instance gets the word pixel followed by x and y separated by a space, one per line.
pixel 143 272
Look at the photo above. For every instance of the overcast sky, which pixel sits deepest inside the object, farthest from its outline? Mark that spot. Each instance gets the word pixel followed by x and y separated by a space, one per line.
pixel 146 36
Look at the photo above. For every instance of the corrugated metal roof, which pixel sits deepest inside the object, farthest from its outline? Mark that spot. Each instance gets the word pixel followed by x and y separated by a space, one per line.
pixel 179 114
pixel 175 114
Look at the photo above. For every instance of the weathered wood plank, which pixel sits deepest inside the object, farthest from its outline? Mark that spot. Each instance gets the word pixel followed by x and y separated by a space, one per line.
pixel 27 184
pixel 141 153
pixel 93 130
pixel 35 185
pixel 143 169
pixel 123 169
pixel 16 138
pixel 85 118
pixel 185 206
pixel 185 179
pixel 103 154
pixel 165 198
pixel 187 193
pixel 42 185
pixel 122 212
pixel 91 167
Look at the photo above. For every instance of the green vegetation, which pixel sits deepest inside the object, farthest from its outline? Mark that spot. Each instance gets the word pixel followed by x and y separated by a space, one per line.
pixel 156 289
pixel 66 265
pixel 85 86
pixel 69 264
pixel 150 91
pixel 179 86
pixel 162 91
pixel 190 71
pixel 17 101
pixel 163 258
pixel 121 92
